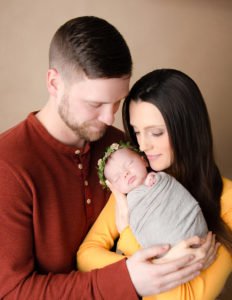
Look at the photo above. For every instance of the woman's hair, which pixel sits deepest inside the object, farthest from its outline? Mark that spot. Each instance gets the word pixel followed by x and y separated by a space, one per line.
pixel 91 45
pixel 182 106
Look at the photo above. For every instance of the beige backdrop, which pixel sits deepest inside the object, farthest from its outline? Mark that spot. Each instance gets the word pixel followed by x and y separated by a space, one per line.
pixel 191 35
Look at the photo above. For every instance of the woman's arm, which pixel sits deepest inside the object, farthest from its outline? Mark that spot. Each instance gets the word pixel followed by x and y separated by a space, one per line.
pixel 211 281
pixel 94 253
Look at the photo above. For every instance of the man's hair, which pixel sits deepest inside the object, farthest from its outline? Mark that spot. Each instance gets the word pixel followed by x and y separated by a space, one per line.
pixel 91 45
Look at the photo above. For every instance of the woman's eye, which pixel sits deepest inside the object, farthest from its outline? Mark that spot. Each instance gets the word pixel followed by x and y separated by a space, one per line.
pixel 157 133
pixel 136 132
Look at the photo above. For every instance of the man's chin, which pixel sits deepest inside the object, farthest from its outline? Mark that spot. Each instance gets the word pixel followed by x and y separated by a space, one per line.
pixel 94 135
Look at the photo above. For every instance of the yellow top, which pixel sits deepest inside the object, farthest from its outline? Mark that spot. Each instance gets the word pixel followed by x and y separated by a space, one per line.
pixel 94 253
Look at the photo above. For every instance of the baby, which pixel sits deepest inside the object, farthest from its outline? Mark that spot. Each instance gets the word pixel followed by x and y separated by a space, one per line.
pixel 161 210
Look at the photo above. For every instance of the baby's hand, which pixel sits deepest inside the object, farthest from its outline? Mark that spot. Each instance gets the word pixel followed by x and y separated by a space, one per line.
pixel 150 180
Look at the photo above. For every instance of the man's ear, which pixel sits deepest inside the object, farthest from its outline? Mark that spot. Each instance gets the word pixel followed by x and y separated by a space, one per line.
pixel 53 82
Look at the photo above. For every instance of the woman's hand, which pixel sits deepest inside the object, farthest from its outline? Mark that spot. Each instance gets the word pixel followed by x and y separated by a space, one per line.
pixel 121 208
pixel 204 251
pixel 209 249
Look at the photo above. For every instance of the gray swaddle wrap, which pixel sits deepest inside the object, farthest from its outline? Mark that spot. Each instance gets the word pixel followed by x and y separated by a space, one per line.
pixel 164 213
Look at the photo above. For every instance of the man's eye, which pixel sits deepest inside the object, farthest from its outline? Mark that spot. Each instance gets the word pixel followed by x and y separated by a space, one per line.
pixel 93 104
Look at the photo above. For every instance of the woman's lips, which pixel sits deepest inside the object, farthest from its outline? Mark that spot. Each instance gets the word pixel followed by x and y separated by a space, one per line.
pixel 153 157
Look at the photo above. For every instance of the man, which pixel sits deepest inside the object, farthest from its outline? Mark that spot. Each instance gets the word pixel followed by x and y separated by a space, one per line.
pixel 50 195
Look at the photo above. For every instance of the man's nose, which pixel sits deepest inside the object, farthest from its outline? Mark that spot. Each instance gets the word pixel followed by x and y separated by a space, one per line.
pixel 107 116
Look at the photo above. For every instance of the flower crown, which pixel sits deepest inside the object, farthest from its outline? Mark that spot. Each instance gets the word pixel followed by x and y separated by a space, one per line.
pixel 109 150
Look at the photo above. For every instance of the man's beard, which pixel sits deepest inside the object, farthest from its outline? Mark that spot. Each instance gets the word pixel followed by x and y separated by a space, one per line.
pixel 83 130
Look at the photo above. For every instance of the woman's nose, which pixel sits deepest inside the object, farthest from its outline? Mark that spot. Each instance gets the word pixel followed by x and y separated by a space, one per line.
pixel 143 144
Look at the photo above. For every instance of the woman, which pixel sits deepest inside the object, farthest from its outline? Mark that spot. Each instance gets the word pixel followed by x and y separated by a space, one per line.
pixel 165 115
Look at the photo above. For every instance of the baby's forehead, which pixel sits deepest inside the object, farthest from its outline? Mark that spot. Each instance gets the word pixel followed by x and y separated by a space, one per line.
pixel 118 159
pixel 124 152
pixel 122 155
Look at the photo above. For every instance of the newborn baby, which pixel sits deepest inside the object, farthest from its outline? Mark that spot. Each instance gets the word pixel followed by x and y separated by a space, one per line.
pixel 161 210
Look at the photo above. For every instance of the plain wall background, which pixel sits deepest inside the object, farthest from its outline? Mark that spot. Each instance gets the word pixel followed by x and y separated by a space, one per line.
pixel 191 35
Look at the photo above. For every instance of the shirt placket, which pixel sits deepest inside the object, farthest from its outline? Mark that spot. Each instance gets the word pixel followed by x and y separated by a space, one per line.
pixel 82 161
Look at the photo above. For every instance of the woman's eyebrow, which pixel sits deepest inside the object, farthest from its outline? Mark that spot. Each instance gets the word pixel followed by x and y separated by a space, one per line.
pixel 151 126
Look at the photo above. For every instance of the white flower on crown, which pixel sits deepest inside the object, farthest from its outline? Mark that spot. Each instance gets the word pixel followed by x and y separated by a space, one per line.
pixel 114 146
pixel 99 162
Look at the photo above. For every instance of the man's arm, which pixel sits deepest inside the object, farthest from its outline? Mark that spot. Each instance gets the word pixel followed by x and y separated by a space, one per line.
pixel 19 276
pixel 97 284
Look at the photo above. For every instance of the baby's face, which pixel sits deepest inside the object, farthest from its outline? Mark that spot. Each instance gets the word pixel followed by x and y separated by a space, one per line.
pixel 125 169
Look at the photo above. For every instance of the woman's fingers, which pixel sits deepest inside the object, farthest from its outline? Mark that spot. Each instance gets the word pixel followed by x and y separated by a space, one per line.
pixel 121 208
pixel 109 185
pixel 211 254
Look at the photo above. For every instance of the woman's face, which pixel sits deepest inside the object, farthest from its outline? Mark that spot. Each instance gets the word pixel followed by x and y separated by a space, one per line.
pixel 151 134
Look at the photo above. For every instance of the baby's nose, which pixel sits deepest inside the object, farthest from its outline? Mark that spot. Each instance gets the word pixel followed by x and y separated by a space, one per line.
pixel 126 173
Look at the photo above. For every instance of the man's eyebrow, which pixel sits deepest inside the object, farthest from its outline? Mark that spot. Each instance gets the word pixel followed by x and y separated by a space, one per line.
pixel 102 101
pixel 151 126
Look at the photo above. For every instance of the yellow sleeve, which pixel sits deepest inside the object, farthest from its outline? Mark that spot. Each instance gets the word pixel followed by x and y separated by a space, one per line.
pixel 207 285
pixel 94 253
pixel 127 242
pixel 211 281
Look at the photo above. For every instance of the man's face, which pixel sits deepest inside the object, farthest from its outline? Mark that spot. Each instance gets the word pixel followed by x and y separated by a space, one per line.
pixel 88 106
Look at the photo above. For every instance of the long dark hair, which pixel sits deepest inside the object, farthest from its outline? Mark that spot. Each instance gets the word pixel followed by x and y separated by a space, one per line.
pixel 182 106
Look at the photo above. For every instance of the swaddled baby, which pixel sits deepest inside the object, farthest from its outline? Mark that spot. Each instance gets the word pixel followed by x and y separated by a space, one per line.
pixel 161 210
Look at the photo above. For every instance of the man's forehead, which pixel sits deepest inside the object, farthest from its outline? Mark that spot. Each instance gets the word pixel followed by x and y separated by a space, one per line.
pixel 104 89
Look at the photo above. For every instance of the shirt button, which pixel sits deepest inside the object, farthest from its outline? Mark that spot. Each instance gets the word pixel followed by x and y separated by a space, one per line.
pixel 80 166
pixel 88 201
pixel 77 151
pixel 86 183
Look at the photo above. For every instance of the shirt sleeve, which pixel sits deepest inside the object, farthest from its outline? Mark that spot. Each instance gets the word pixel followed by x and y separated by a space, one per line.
pixel 18 276
pixel 94 252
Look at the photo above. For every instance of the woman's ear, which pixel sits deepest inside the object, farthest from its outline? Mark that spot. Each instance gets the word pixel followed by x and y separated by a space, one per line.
pixel 53 82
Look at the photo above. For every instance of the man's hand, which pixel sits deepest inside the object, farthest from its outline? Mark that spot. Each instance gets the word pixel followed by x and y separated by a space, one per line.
pixel 151 279
pixel 204 251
